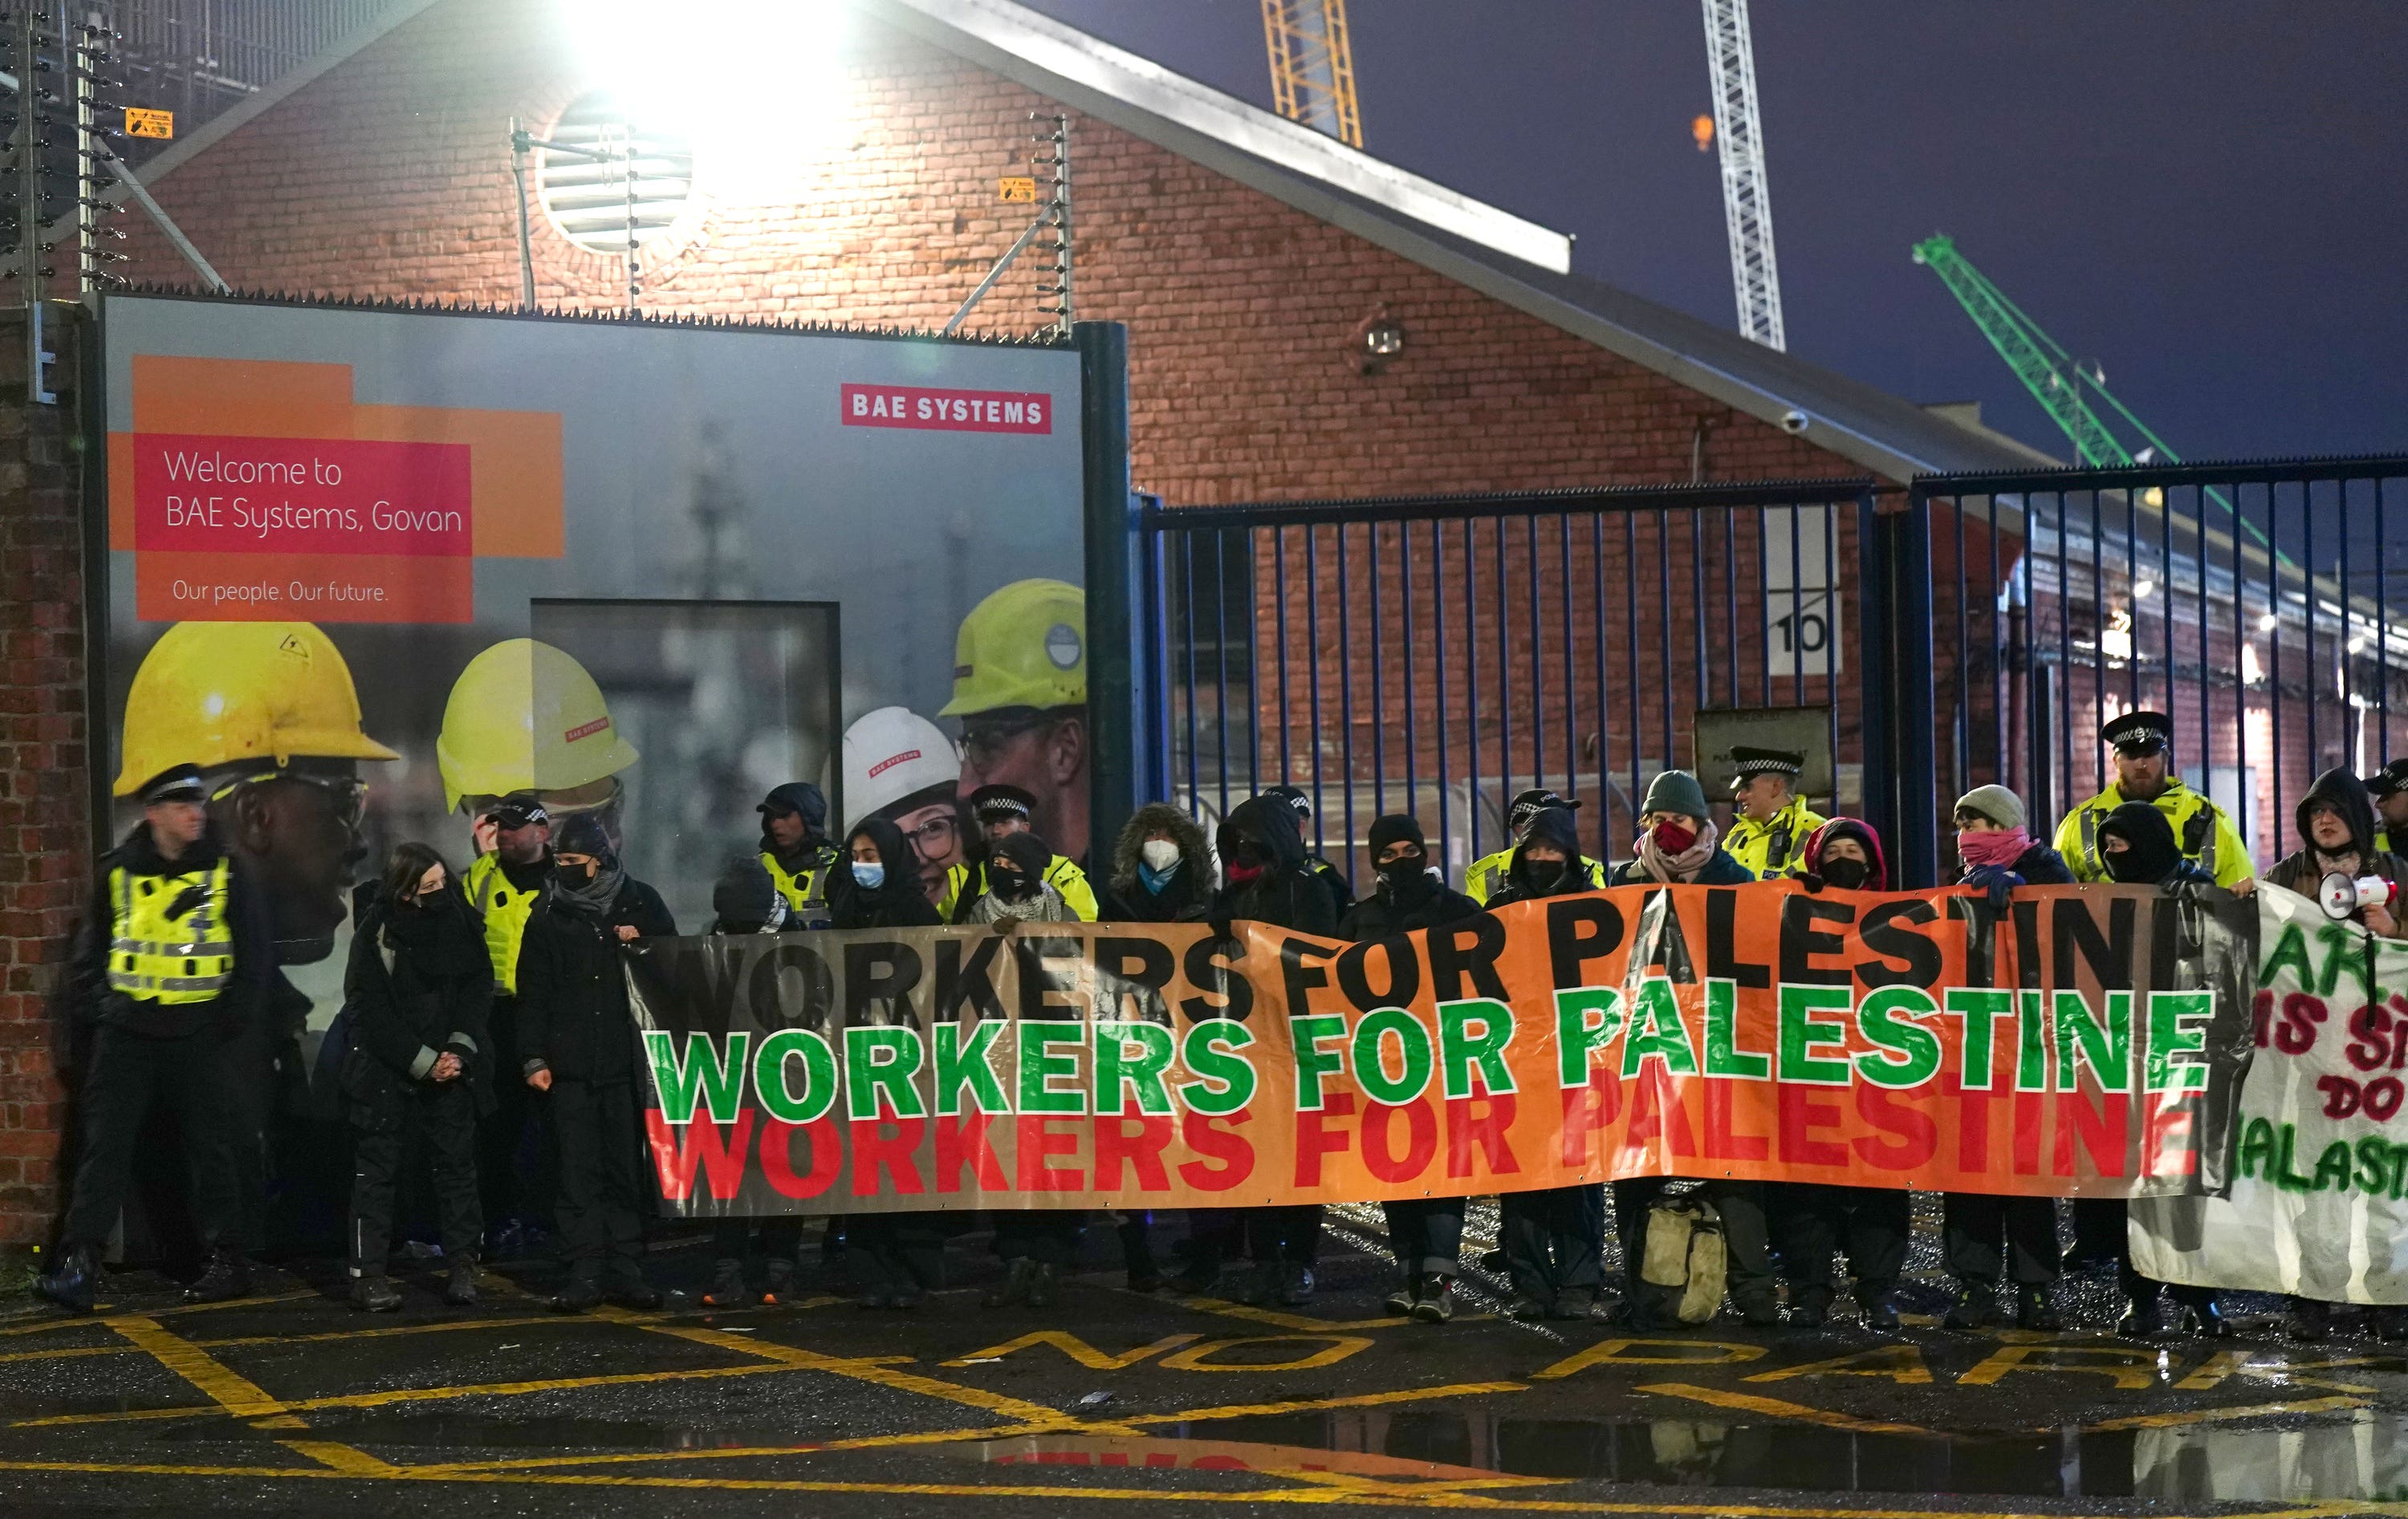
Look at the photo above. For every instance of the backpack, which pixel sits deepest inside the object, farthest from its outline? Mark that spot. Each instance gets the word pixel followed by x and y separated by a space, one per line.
pixel 1684 1253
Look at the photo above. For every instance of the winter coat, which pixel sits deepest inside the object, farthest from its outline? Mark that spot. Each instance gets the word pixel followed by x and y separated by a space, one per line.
pixel 1809 859
pixel 896 902
pixel 1287 893
pixel 2304 869
pixel 572 1013
pixel 1030 855
pixel 1426 902
pixel 419 984
pixel 2154 858
pixel 238 1006
pixel 1550 826
pixel 1186 895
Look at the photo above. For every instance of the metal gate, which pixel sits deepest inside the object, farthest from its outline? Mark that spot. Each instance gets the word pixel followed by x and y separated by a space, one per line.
pixel 1436 654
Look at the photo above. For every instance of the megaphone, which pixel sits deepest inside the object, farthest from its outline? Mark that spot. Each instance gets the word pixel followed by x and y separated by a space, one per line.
pixel 2342 895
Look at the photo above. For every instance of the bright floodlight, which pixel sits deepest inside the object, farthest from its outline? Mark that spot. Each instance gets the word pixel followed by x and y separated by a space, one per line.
pixel 2142 590
pixel 2267 621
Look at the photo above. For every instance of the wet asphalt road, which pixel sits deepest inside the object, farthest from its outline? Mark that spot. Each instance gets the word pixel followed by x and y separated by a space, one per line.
pixel 292 1403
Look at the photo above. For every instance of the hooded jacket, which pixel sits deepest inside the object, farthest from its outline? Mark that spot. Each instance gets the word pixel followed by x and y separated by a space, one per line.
pixel 1809 860
pixel 1552 825
pixel 419 985
pixel 2154 859
pixel 2305 868
pixel 1189 890
pixel 1287 893
pixel 572 997
pixel 896 902
pixel 1424 902
pixel 1028 854
pixel 2039 865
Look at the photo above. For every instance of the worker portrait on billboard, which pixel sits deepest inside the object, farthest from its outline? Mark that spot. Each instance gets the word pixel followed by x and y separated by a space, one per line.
pixel 390 576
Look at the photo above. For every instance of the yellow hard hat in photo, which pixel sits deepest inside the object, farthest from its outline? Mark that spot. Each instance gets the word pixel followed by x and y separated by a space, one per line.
pixel 1024 646
pixel 211 693
pixel 526 716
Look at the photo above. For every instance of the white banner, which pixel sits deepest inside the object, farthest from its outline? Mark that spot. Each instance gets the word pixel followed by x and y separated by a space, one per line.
pixel 2319 1200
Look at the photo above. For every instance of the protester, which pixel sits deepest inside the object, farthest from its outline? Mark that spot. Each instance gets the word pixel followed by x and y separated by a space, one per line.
pixel 1554 1237
pixel 577 1045
pixel 1487 873
pixel 1017 891
pixel 1265 878
pixel 1426 1233
pixel 505 884
pixel 1769 821
pixel 795 851
pixel 176 954
pixel 1002 811
pixel 2143 752
pixel 418 1068
pixel 1677 845
pixel 1341 889
pixel 747 899
pixel 1982 1235
pixel 878 888
pixel 2388 787
pixel 1871 1224
pixel 1162 870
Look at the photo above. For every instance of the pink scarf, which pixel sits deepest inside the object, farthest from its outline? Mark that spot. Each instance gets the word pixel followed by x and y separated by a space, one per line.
pixel 1684 866
pixel 1992 846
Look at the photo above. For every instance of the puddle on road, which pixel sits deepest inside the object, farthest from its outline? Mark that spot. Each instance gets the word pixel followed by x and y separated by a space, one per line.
pixel 2364 1458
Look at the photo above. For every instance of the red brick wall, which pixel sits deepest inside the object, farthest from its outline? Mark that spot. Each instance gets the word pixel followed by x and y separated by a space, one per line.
pixel 45 846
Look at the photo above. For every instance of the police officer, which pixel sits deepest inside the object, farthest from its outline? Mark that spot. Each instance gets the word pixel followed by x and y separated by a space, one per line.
pixel 1342 889
pixel 1486 876
pixel 178 952
pixel 1769 822
pixel 2388 787
pixel 1002 811
pixel 794 849
pixel 2204 833
pixel 506 885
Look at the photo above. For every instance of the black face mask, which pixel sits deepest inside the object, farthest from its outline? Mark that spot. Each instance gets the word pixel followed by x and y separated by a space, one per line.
pixel 1543 875
pixel 1847 875
pixel 1011 886
pixel 1406 871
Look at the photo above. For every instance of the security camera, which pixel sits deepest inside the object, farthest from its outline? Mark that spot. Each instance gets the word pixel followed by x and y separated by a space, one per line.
pixel 1793 421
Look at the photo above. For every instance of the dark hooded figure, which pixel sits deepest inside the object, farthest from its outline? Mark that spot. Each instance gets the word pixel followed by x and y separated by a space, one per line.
pixel 747 899
pixel 1812 1220
pixel 1162 870
pixel 1426 1233
pixel 795 851
pixel 1017 891
pixel 1555 1238
pixel 1267 878
pixel 877 883
pixel 2137 846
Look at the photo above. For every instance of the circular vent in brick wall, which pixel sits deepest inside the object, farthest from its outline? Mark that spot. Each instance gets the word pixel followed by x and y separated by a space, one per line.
pixel 589 200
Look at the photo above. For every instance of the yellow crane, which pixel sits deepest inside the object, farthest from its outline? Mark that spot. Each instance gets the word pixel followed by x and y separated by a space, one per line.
pixel 1313 66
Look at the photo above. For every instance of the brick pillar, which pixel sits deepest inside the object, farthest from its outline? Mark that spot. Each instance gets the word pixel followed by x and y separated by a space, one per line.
pixel 45 844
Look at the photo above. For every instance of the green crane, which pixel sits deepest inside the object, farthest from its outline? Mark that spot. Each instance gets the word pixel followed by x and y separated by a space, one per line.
pixel 2050 373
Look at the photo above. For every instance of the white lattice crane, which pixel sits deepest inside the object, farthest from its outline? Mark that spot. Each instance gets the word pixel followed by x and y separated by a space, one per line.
pixel 1747 205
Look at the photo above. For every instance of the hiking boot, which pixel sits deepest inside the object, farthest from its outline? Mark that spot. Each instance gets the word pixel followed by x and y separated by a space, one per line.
pixel 2033 1310
pixel 1043 1283
pixel 1525 1307
pixel 578 1295
pixel 375 1294
pixel 77 1282
pixel 1880 1315
pixel 460 1291
pixel 1296 1285
pixel 1809 1310
pixel 728 1288
pixel 2310 1321
pixel 1401 1297
pixel 1573 1303
pixel 1018 1275
pixel 1976 1307
pixel 639 1295
pixel 1434 1300
pixel 778 1286
pixel 227 1278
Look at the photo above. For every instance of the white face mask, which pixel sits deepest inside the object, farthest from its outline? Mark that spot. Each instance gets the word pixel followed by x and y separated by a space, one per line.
pixel 870 873
pixel 1160 854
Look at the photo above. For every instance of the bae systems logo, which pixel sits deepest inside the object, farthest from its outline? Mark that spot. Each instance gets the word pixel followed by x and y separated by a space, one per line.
pixel 891 761
pixel 946 411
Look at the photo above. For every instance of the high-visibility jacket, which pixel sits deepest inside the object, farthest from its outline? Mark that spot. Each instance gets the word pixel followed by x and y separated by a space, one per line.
pixel 1776 847
pixel 1062 873
pixel 1486 877
pixel 169 939
pixel 506 908
pixel 2204 831
pixel 805 890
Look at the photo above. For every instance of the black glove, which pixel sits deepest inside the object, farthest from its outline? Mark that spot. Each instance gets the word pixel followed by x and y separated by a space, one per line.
pixel 1223 926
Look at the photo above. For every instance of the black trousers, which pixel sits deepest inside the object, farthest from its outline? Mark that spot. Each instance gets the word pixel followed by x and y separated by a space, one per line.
pixel 1426 1234
pixel 1747 1238
pixel 128 1073
pixel 1871 1224
pixel 1047 1235
pixel 1555 1239
pixel 895 1252
pixel 782 1238
pixel 1290 1234
pixel 1983 1238
pixel 594 1140
pixel 442 1115
pixel 516 1177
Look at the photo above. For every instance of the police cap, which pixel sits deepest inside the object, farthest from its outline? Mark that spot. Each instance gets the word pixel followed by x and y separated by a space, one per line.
pixel 1529 804
pixel 994 803
pixel 1295 797
pixel 176 784
pixel 2138 733
pixel 518 810
pixel 1747 763
pixel 2390 780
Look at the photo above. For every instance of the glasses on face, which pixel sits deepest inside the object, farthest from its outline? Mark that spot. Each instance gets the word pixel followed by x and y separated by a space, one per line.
pixel 346 795
pixel 937 838
pixel 985 740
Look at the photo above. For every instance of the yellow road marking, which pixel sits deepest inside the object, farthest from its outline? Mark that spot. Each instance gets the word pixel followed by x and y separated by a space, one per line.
pixel 2133 1370
pixel 872 1369
pixel 1307 1405
pixel 1779 1408
pixel 2214 1369
pixel 336 1456
pixel 1285 1321
pixel 1899 1362
pixel 230 1390
pixel 2252 1410
pixel 108 1310
pixel 1075 1348
pixel 1336 1349
pixel 1610 1353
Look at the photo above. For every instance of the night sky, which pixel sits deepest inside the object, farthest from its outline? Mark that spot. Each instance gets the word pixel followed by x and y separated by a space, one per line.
pixel 2206 198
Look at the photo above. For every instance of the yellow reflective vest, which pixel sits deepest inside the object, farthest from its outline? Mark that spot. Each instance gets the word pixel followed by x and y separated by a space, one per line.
pixel 1062 873
pixel 2202 831
pixel 1776 847
pixel 161 955
pixel 805 890
pixel 1486 877
pixel 506 908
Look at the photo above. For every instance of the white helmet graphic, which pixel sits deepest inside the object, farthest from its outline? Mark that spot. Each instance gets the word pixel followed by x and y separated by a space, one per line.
pixel 891 754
